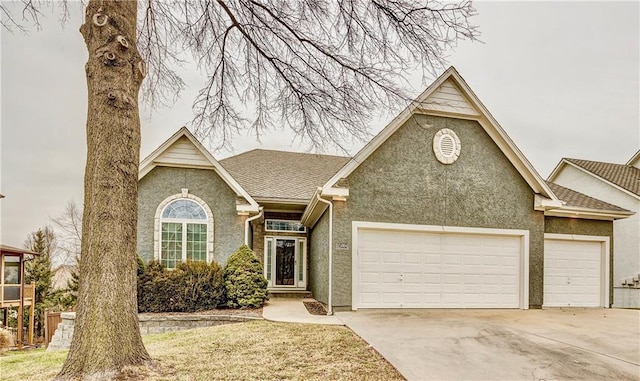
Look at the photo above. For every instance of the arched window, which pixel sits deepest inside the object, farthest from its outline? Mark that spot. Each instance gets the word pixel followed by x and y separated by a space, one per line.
pixel 184 229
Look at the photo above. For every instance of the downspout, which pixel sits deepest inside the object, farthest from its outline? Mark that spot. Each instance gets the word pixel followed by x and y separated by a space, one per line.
pixel 246 225
pixel 329 301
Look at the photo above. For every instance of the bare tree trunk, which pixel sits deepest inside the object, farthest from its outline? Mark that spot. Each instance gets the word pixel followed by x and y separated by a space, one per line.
pixel 107 337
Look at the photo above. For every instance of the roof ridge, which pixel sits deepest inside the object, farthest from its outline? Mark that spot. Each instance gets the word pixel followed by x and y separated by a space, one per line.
pixel 287 152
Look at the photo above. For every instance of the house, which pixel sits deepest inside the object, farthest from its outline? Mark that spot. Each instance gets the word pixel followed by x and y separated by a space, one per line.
pixel 618 184
pixel 14 293
pixel 439 210
pixel 62 274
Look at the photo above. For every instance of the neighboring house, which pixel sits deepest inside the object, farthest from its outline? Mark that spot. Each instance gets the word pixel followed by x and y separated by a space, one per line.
pixel 618 184
pixel 439 210
pixel 62 274
pixel 14 292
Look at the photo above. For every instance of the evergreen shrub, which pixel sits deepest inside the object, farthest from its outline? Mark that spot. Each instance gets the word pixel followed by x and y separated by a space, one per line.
pixel 191 287
pixel 244 281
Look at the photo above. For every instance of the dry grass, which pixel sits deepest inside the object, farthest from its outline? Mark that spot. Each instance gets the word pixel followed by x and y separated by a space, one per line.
pixel 246 351
pixel 30 364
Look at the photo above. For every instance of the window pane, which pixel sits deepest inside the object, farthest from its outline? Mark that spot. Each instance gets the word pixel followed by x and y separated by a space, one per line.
pixel 11 272
pixel 268 259
pixel 171 249
pixel 283 225
pixel 301 260
pixel 196 242
pixel 184 209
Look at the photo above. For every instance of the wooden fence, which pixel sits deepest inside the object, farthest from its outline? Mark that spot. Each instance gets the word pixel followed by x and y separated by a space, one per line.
pixel 51 321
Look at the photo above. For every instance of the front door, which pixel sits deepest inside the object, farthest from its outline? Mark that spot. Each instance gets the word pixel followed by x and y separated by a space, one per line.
pixel 285 262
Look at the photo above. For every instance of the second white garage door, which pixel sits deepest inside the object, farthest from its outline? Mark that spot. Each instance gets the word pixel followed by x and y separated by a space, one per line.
pixel 434 269
pixel 574 275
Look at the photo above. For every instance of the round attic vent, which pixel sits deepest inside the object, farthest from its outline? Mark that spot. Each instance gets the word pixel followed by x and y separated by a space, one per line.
pixel 446 146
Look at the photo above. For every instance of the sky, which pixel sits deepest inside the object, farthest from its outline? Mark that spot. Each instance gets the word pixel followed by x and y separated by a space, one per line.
pixel 562 79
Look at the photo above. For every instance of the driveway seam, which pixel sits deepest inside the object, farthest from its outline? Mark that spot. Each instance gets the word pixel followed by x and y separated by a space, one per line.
pixel 582 348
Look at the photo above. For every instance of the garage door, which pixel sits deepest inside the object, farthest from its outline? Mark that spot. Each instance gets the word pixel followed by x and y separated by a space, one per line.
pixel 573 273
pixel 427 269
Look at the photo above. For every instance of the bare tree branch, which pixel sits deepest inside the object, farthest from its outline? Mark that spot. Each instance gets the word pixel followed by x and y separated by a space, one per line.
pixel 316 67
pixel 68 228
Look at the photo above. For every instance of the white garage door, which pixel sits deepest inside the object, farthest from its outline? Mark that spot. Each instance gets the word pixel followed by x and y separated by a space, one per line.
pixel 425 269
pixel 572 273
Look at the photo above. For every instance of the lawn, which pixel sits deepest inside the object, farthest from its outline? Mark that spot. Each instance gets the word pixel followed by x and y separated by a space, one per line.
pixel 244 351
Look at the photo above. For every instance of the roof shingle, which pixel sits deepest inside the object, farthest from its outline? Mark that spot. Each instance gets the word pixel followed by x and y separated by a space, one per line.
pixel 282 175
pixel 624 176
pixel 580 200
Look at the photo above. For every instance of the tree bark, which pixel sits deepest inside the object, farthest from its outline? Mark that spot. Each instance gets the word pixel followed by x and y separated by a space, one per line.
pixel 106 336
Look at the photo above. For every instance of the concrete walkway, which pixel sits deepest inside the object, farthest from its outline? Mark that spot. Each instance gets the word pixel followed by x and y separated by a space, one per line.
pixel 292 310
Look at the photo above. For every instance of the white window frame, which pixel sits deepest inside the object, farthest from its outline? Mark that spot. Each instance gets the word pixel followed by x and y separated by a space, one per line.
pixel 284 231
pixel 158 220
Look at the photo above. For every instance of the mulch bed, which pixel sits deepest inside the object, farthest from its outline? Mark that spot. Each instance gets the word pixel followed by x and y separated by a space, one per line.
pixel 315 308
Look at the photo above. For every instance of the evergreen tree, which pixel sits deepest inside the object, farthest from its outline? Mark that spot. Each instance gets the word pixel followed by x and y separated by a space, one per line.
pixel 38 270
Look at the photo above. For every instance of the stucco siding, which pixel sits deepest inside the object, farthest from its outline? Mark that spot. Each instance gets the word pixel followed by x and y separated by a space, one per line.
pixel 319 259
pixel 402 182
pixel 163 182
pixel 576 226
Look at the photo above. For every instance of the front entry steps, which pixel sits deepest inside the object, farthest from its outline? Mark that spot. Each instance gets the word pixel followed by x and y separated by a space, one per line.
pixel 290 294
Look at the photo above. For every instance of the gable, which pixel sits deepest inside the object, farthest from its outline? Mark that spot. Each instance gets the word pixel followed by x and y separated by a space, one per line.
pixel 449 98
pixel 184 153
pixel 403 182
pixel 622 177
pixel 183 150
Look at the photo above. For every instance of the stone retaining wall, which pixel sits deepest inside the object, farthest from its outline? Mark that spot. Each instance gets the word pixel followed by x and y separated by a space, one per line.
pixel 149 323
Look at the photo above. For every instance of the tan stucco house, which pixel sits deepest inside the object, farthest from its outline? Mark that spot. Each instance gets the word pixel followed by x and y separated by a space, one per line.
pixel 618 184
pixel 439 210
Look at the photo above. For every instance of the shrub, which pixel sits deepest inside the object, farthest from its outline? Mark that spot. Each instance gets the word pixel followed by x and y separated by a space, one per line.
pixel 6 338
pixel 191 287
pixel 244 281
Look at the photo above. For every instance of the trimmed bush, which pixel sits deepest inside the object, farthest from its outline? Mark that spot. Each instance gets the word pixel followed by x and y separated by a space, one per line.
pixel 244 281
pixel 191 287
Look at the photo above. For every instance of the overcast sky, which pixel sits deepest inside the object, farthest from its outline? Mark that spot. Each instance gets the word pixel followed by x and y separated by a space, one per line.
pixel 561 78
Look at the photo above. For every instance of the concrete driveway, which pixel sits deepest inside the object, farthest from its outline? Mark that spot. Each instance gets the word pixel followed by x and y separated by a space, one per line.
pixel 553 344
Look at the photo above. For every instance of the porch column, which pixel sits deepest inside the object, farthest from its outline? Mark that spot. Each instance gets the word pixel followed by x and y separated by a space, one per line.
pixel 20 325
pixel 32 310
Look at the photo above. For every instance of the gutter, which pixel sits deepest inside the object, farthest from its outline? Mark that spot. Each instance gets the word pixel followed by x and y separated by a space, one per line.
pixel 246 225
pixel 588 213
pixel 330 299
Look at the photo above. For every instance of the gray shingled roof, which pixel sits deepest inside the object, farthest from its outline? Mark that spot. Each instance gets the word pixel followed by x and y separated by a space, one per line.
pixel 282 175
pixel 624 176
pixel 579 200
